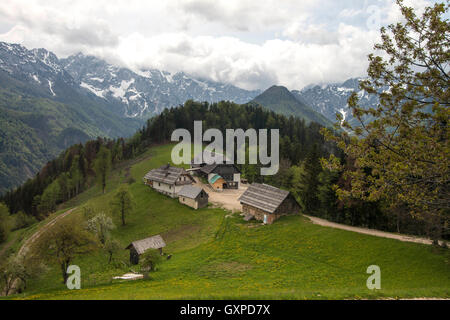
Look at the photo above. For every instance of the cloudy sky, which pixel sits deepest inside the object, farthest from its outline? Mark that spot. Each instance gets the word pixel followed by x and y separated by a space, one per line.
pixel 249 43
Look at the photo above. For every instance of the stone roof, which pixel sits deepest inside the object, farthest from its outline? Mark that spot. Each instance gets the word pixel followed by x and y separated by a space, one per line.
pixel 190 192
pixel 264 197
pixel 165 174
pixel 155 242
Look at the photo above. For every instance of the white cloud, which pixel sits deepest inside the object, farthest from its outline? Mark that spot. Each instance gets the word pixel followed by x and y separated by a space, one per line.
pixel 247 43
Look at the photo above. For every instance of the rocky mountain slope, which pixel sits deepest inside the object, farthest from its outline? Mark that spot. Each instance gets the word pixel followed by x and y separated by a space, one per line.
pixel 147 92
pixel 330 99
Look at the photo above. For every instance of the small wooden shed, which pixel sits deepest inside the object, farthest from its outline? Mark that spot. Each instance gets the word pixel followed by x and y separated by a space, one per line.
pixel 137 248
pixel 217 182
pixel 267 203
pixel 193 196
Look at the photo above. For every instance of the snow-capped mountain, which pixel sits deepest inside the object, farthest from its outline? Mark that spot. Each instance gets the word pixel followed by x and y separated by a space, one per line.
pixel 129 94
pixel 332 98
pixel 38 66
pixel 147 92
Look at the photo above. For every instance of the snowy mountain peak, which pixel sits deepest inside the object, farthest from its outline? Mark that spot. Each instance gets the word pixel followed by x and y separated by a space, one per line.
pixel 139 94
pixel 146 92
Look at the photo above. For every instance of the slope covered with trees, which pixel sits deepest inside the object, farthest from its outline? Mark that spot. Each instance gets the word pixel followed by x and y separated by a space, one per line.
pixel 35 126
pixel 279 99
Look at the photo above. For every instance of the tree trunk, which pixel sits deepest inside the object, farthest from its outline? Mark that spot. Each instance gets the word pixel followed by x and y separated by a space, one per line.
pixel 64 267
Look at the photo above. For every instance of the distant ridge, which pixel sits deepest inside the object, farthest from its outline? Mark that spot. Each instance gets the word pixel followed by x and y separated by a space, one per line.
pixel 280 100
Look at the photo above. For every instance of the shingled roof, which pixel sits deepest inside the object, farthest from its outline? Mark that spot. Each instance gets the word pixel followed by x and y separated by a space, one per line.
pixel 155 242
pixel 264 197
pixel 211 167
pixel 190 192
pixel 209 157
pixel 165 174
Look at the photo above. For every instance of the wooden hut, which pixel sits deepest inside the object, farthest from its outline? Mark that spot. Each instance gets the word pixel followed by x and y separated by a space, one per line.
pixel 137 248
pixel 267 203
pixel 168 180
pixel 193 196
pixel 217 182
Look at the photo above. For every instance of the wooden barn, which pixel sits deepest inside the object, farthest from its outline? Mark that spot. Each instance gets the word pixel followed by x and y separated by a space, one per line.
pixel 168 180
pixel 137 248
pixel 267 203
pixel 193 196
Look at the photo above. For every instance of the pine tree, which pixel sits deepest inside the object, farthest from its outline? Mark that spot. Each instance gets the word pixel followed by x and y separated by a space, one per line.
pixel 310 180
pixel 102 166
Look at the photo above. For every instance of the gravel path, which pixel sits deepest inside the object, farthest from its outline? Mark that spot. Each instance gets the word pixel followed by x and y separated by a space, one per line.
pixel 371 232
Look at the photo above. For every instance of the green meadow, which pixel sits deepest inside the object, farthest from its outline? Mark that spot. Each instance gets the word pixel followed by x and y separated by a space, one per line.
pixel 216 255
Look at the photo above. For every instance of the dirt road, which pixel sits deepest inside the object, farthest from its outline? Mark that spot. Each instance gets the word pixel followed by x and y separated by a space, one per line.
pixel 26 245
pixel 371 232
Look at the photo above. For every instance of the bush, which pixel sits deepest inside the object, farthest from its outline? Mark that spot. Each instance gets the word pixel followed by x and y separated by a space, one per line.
pixel 150 259
pixel 22 220
pixel 5 223
pixel 130 180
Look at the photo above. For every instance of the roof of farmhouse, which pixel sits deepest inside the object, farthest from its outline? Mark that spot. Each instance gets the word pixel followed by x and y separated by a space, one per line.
pixel 211 167
pixel 165 174
pixel 209 158
pixel 190 192
pixel 264 197
pixel 155 242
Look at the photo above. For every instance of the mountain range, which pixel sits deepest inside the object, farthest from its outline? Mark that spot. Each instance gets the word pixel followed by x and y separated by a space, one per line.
pixel 330 99
pixel 146 93
pixel 48 104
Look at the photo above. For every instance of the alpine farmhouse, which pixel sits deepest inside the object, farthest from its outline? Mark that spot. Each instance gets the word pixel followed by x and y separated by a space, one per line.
pixel 194 197
pixel 168 180
pixel 267 203
pixel 139 247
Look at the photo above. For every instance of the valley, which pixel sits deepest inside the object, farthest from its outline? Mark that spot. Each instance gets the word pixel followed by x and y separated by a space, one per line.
pixel 216 255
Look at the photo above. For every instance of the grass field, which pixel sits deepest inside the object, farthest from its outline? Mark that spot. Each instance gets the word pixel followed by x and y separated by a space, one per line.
pixel 217 255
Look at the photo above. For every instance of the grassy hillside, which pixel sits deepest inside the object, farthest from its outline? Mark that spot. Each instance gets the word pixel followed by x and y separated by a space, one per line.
pixel 218 255
pixel 280 100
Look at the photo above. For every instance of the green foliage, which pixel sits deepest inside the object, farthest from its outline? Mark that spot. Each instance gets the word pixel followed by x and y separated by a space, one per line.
pixel 401 156
pixel 63 242
pixel 100 225
pixel 122 204
pixel 309 185
pixel 17 270
pixel 49 199
pixel 150 260
pixel 112 247
pixel 23 220
pixel 35 128
pixel 102 166
pixel 5 226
